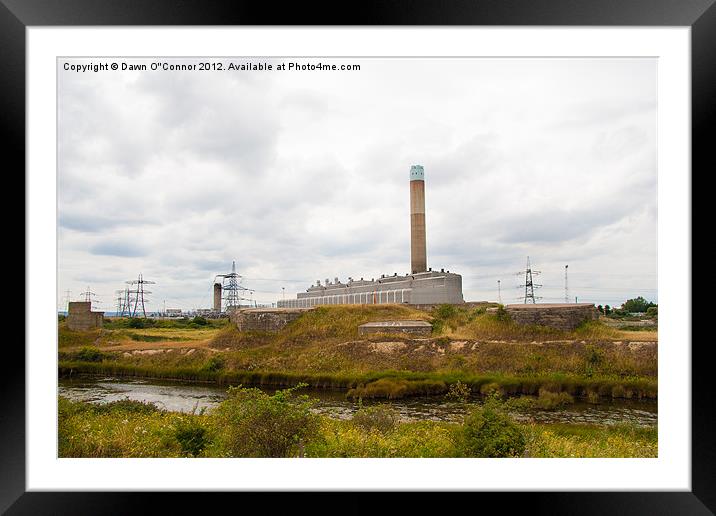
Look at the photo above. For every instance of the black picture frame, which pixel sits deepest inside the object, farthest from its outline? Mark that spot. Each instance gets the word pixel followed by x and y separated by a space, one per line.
pixel 699 15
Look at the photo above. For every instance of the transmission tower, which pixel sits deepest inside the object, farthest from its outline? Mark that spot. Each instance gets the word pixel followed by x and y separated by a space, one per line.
pixel 232 290
pixel 68 294
pixel 529 285
pixel 124 302
pixel 125 305
pixel 566 285
pixel 88 297
pixel 120 301
pixel 139 292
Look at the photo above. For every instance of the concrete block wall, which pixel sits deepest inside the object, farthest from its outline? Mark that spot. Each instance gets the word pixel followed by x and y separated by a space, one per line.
pixel 265 319
pixel 565 316
pixel 81 317
pixel 409 327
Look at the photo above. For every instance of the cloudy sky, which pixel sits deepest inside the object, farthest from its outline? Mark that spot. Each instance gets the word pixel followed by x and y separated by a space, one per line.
pixel 299 176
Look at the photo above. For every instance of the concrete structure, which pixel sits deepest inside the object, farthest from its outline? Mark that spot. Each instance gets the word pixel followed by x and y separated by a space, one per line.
pixel 81 317
pixel 564 316
pixel 418 247
pixel 411 327
pixel 424 288
pixel 264 319
pixel 217 297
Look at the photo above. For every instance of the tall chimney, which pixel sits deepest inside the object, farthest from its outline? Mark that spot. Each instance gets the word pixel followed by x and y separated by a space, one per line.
pixel 418 260
pixel 217 297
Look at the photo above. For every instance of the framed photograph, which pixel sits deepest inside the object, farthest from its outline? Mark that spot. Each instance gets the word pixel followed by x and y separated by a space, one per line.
pixel 494 199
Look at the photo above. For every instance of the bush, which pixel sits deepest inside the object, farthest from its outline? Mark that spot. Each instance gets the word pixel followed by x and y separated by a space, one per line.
pixel 501 314
pixel 638 304
pixel 90 354
pixel 458 391
pixel 191 437
pixel 138 322
pixel 250 423
pixel 127 406
pixel 489 432
pixel 199 321
pixel 379 417
pixel 214 364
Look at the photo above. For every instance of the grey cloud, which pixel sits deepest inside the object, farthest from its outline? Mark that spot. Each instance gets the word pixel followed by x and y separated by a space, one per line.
pixel 117 248
pixel 176 175
pixel 560 225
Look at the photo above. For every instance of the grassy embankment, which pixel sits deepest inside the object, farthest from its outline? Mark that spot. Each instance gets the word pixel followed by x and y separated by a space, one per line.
pixel 323 348
pixel 132 429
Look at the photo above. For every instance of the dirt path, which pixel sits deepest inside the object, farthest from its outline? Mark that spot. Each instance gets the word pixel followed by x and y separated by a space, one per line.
pixel 132 345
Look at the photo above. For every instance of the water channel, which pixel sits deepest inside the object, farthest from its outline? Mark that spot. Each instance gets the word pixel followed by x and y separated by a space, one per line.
pixel 186 397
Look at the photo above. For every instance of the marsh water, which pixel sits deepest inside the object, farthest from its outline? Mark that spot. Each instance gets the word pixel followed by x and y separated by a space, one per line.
pixel 188 397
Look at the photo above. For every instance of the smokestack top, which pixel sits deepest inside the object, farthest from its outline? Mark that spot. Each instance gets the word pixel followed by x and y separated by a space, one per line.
pixel 417 173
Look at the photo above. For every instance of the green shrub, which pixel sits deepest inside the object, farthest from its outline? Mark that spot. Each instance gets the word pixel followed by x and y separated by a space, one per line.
pixel 200 321
pixel 458 391
pixel 215 363
pixel 138 322
pixel 383 418
pixel 127 406
pixel 489 432
pixel 192 437
pixel 250 423
pixel 445 311
pixel 501 314
pixel 90 354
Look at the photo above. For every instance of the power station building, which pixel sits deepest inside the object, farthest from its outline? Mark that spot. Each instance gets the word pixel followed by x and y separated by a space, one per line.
pixel 421 286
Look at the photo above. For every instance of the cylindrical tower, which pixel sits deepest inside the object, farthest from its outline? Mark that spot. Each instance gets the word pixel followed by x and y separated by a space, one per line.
pixel 418 258
pixel 217 297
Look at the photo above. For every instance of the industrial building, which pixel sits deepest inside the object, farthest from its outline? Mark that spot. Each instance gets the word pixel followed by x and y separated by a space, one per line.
pixel 422 286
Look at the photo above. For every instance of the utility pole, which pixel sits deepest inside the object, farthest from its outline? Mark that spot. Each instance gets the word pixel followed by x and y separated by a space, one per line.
pixel 566 285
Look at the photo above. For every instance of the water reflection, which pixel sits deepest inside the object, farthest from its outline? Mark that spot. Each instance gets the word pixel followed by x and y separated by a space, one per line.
pixel 183 397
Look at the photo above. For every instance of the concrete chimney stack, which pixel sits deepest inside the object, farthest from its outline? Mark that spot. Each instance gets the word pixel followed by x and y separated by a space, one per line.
pixel 217 297
pixel 418 253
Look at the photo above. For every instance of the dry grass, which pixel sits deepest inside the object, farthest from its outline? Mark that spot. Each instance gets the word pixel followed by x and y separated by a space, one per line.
pixel 323 347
